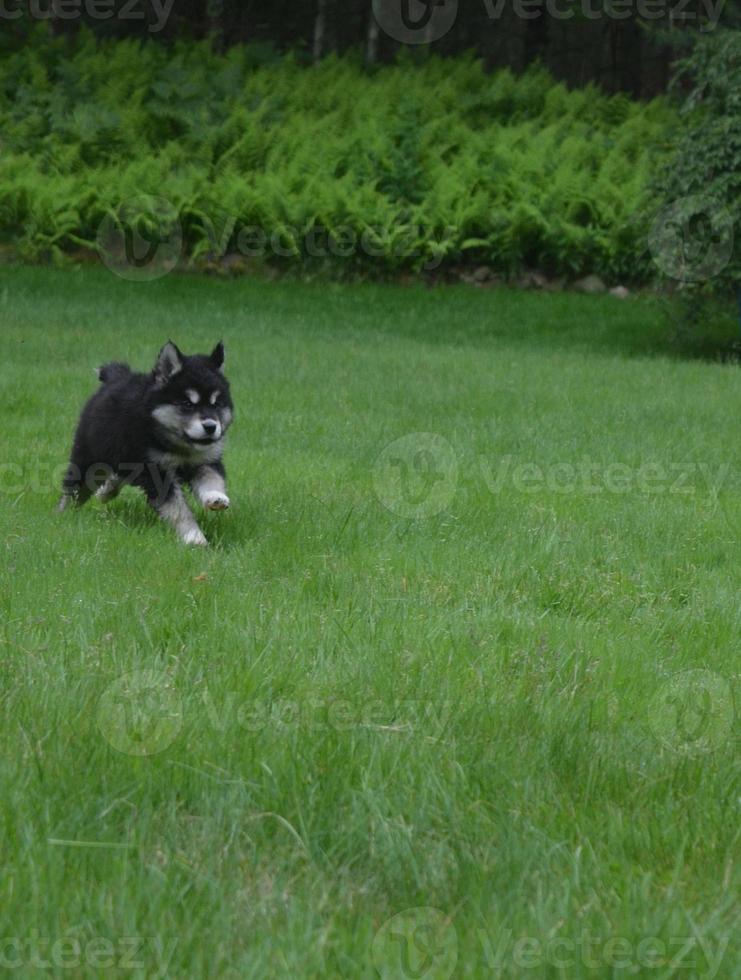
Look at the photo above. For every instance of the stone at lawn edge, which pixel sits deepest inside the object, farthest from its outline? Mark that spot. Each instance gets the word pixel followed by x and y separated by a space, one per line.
pixel 590 284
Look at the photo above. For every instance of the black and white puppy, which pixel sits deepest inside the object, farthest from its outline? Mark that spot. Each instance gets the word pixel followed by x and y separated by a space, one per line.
pixel 156 431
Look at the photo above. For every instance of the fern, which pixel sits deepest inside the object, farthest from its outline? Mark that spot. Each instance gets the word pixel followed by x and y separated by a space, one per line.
pixel 431 160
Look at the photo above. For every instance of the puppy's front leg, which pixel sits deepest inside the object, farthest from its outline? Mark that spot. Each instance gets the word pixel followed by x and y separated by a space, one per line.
pixel 110 489
pixel 174 509
pixel 209 486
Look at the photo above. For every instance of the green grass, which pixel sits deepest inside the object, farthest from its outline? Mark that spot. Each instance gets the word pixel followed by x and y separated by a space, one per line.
pixel 482 710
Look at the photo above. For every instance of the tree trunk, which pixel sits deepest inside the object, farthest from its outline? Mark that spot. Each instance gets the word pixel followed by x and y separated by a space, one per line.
pixel 371 48
pixel 214 23
pixel 320 25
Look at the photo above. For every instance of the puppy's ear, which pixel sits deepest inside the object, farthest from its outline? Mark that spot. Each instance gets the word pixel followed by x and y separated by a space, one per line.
pixel 217 356
pixel 169 362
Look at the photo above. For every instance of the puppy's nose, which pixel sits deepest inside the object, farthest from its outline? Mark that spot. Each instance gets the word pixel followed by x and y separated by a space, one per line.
pixel 209 426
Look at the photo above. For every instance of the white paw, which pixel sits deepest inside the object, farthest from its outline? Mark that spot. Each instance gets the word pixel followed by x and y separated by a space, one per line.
pixel 194 536
pixel 109 491
pixel 215 500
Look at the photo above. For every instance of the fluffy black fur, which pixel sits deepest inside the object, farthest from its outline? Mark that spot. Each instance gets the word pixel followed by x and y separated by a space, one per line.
pixel 156 431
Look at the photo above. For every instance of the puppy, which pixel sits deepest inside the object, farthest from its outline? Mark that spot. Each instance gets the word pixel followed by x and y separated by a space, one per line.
pixel 156 431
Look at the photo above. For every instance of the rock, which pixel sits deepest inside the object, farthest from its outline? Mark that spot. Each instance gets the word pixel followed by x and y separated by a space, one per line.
pixel 482 277
pixel 620 292
pixel 532 279
pixel 234 264
pixel 590 284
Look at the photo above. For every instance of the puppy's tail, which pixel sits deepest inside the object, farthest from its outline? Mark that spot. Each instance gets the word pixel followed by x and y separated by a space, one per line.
pixel 115 371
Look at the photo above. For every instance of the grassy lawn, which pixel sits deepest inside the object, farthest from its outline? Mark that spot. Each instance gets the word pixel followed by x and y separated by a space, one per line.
pixel 487 670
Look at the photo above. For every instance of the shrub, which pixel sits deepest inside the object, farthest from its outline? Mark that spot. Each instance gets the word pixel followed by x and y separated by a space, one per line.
pixel 436 162
pixel 702 190
pixel 707 162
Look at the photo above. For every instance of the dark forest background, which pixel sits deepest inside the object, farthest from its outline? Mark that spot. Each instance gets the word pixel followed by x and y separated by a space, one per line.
pixel 607 42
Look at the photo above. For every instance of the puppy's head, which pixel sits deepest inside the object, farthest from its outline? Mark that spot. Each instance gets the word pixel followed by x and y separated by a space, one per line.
pixel 190 396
